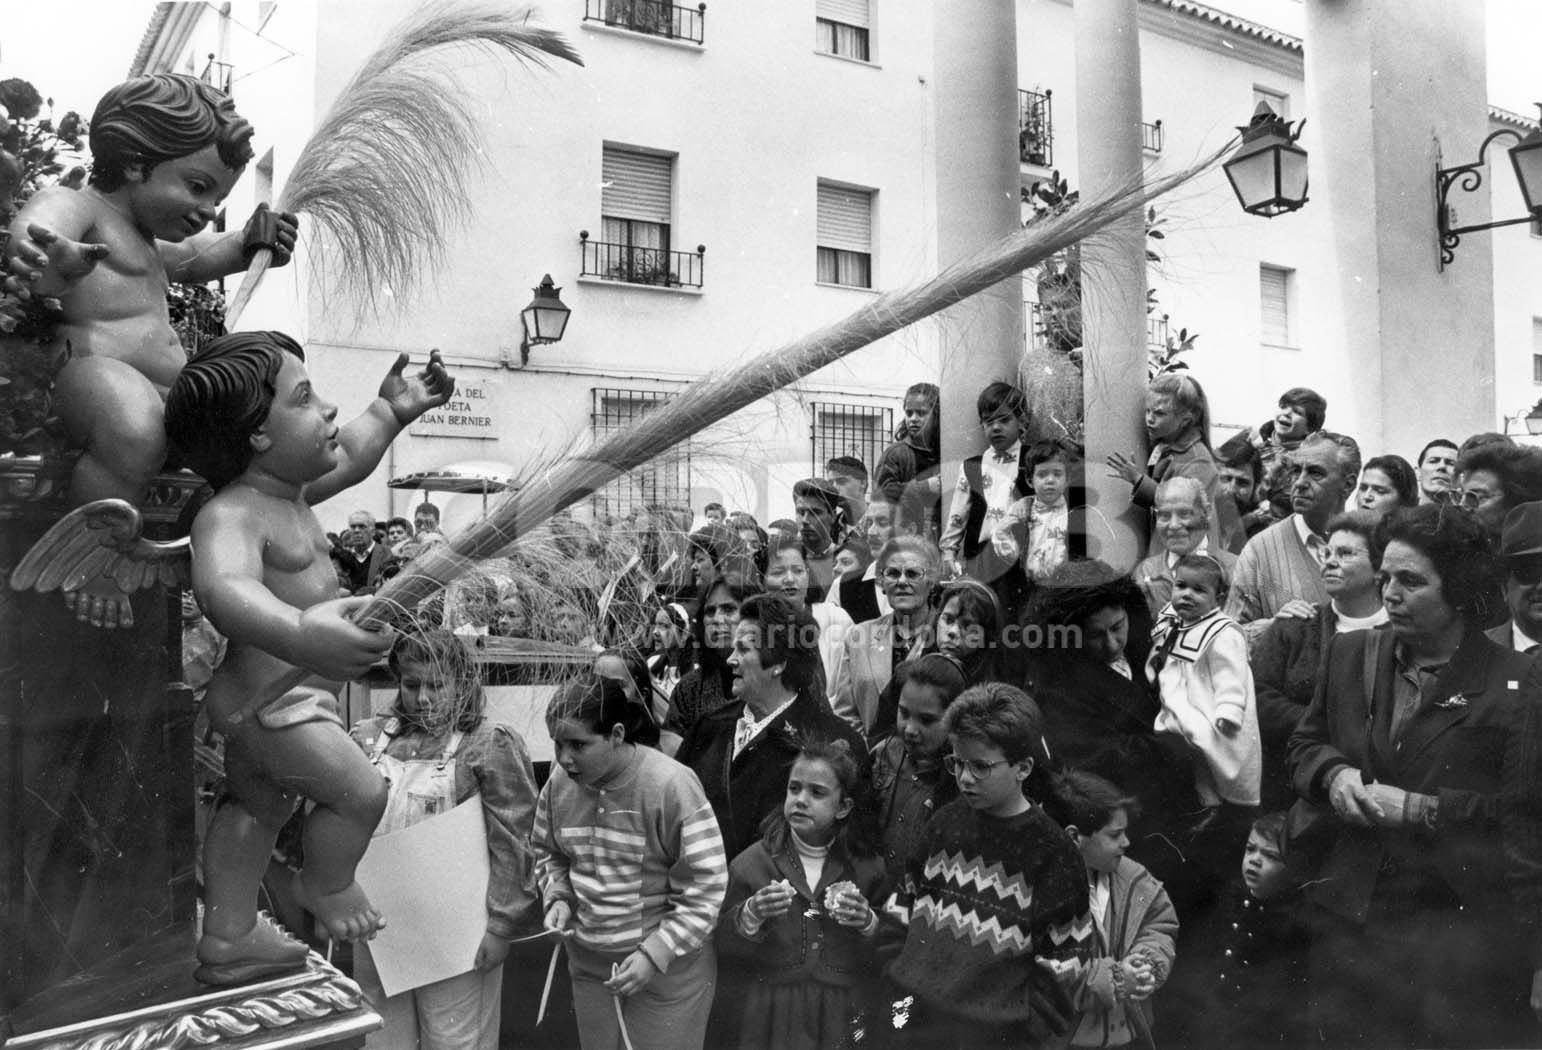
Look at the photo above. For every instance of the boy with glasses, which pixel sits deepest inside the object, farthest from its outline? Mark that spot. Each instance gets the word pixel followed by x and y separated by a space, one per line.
pixel 994 898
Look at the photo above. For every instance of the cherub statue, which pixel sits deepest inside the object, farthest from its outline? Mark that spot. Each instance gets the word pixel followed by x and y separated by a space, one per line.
pixel 166 149
pixel 244 416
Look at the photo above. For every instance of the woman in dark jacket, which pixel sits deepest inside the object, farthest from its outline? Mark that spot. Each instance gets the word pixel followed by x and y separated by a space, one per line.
pixel 1401 756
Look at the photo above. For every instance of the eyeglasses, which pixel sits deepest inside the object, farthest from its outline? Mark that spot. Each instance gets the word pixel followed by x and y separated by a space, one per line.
pixel 977 770
pixel 1472 499
pixel 912 575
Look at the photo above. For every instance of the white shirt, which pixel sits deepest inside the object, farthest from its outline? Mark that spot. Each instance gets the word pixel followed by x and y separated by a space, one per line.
pixel 747 728
pixel 1203 548
pixel 1520 640
pixel 1358 623
pixel 1314 543
pixel 998 473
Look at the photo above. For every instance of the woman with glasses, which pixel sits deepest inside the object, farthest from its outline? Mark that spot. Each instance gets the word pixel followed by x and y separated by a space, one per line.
pixel 1494 478
pixel 1401 756
pixel 907 571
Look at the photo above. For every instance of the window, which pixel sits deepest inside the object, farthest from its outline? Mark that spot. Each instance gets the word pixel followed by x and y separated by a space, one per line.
pixel 849 430
pixel 1536 368
pixel 1152 137
pixel 653 17
pixel 841 28
pixel 1275 100
pixel 661 482
pixel 844 235
pixel 634 244
pixel 1036 127
pixel 1536 349
pixel 1274 305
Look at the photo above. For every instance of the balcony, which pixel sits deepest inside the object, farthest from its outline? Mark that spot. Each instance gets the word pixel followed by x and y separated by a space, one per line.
pixel 1156 332
pixel 657 267
pixel 653 17
pixel 1036 127
pixel 1151 136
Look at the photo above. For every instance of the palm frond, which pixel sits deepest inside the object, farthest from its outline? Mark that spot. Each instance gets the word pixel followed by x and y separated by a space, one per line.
pixel 385 176
pixel 715 398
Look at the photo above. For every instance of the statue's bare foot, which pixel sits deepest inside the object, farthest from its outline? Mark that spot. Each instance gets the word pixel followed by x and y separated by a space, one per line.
pixel 345 914
pixel 101 604
pixel 262 951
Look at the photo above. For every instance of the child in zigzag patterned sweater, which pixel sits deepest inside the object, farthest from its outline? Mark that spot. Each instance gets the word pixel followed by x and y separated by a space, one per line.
pixel 994 899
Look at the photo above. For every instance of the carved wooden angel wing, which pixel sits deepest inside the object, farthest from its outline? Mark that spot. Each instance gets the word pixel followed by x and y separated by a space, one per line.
pixel 101 540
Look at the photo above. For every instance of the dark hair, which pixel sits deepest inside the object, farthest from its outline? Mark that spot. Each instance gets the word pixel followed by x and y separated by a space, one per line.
pixel 399 522
pixel 1460 549
pixel 855 837
pixel 426 508
pixel 1271 828
pixel 980 604
pixel 1210 567
pixel 935 671
pixel 712 659
pixel 1518 468
pixel 1437 443
pixel 159 117
pixel 1405 480
pixel 1048 452
pixel 1079 588
pixel 1188 396
pixel 1364 524
pixel 858 546
pixel 930 438
pixel 1086 801
pixel 1238 453
pixel 847 466
pixel 788 636
pixel 1003 716
pixel 780 544
pixel 449 656
pixel 1482 439
pixel 999 395
pixel 600 703
pixel 719 541
pixel 220 399
pixel 715 506
pixel 1309 403
pixel 930 391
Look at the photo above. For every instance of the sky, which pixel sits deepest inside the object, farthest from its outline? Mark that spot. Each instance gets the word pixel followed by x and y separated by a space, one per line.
pixel 73 50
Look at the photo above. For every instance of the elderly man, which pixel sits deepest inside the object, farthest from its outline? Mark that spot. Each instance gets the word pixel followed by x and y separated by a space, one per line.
pixel 1280 570
pixel 1183 513
pixel 1520 551
pixel 908 568
pixel 363 559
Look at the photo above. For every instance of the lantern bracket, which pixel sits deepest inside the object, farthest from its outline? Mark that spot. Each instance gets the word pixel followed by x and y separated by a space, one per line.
pixel 1467 178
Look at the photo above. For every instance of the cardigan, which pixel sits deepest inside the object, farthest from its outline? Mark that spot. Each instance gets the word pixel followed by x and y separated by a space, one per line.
pixel 1273 568
pixel 640 860
pixel 996 919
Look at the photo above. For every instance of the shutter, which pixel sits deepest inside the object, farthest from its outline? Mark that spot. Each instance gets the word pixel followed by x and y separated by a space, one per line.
pixel 1274 305
pixel 636 185
pixel 847 12
pixel 845 219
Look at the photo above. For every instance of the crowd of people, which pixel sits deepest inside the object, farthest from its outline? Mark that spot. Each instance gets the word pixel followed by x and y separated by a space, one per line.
pixel 905 772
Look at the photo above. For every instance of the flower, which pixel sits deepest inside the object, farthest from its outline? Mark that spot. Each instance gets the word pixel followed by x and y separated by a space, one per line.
pixel 1457 702
pixel 20 99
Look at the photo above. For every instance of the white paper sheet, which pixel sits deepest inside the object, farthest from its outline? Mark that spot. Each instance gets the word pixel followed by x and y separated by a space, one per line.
pixel 430 883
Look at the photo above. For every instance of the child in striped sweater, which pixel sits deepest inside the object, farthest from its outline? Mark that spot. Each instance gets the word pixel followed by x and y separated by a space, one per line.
pixel 632 872
pixel 995 898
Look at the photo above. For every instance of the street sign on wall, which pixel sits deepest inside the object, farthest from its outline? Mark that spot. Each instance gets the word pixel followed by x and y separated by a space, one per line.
pixel 469 414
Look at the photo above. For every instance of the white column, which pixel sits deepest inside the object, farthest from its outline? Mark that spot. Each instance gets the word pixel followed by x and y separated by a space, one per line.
pixel 978 202
pixel 1108 122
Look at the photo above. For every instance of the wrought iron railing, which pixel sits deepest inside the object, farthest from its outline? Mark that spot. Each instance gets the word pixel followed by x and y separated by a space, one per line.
pixel 1036 127
pixel 661 483
pixel 1151 136
pixel 653 266
pixel 1156 332
pixel 654 17
pixel 849 430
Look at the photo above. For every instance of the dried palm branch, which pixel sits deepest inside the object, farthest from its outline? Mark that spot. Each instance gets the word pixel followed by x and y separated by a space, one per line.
pixel 385 173
pixel 713 399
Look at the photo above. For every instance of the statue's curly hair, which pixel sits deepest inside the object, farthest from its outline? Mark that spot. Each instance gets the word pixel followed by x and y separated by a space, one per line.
pixel 153 118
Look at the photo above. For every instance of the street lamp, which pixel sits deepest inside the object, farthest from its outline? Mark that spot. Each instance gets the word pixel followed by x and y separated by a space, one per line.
pixel 1525 157
pixel 1534 419
pixel 1268 170
pixel 544 319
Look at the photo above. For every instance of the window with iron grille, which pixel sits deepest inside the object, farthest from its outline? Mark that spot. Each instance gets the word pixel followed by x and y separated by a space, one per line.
pixel 842 27
pixel 662 482
pixel 844 236
pixel 653 17
pixel 1036 127
pixel 849 430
